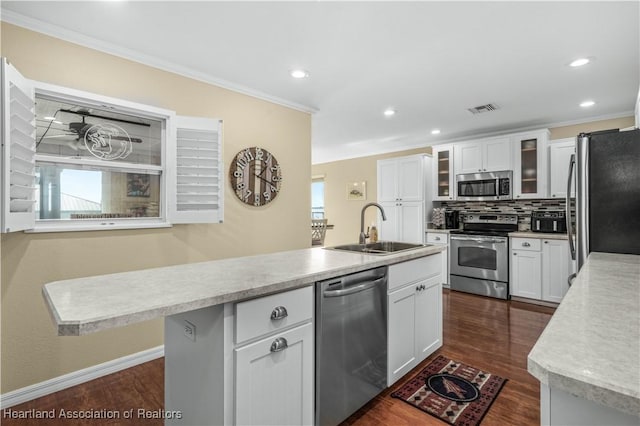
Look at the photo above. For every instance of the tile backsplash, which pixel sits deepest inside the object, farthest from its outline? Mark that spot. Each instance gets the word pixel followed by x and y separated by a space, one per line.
pixel 522 208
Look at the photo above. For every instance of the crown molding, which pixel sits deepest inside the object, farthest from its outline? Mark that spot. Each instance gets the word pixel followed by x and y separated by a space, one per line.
pixel 135 56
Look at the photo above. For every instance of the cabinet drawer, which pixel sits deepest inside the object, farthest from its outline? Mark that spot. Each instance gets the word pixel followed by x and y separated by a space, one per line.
pixel 532 244
pixel 437 238
pixel 254 317
pixel 414 270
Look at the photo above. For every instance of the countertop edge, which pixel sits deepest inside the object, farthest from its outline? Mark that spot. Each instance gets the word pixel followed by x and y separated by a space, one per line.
pixel 542 362
pixel 81 328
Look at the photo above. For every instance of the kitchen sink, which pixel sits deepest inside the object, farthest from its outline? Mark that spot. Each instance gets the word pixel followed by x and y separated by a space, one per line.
pixel 379 248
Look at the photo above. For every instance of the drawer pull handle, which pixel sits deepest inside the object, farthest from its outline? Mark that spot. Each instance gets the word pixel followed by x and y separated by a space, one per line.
pixel 437 238
pixel 280 344
pixel 279 313
pixel 526 245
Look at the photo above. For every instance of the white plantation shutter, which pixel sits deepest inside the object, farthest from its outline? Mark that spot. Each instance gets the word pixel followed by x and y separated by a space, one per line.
pixel 196 187
pixel 18 151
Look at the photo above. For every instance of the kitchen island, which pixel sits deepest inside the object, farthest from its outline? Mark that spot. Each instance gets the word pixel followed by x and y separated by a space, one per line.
pixel 588 357
pixel 235 328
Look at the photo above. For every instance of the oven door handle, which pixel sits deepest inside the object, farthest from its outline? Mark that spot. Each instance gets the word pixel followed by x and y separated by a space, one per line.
pixel 481 240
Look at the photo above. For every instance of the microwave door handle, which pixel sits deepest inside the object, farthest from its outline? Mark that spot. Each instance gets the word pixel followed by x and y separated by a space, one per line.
pixel 572 247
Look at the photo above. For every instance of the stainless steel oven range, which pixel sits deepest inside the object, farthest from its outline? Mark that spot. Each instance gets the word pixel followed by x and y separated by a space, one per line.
pixel 480 254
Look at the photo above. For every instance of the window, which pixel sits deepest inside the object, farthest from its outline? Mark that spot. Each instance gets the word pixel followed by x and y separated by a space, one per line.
pixel 80 161
pixel 317 197
pixel 95 163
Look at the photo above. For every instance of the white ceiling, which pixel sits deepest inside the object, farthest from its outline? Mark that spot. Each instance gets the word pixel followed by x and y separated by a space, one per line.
pixel 428 60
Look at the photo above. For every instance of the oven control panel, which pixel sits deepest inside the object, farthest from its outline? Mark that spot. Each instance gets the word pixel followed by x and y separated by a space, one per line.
pixel 490 218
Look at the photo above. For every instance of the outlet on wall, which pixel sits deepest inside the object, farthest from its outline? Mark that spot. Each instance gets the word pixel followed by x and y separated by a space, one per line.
pixel 189 330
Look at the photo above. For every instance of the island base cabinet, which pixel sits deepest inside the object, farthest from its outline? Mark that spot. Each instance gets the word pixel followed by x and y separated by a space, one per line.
pixel 415 316
pixel 196 389
pixel 274 386
pixel 563 409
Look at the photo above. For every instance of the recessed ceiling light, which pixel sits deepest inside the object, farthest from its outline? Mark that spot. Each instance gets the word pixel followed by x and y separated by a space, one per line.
pixel 299 74
pixel 580 62
pixel 587 104
pixel 389 112
pixel 435 132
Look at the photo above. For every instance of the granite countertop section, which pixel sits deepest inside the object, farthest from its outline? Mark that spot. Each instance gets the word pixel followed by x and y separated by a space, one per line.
pixel 591 346
pixel 539 235
pixel 85 305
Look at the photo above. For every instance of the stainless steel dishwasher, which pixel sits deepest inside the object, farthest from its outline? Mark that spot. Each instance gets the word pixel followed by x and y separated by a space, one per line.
pixel 351 343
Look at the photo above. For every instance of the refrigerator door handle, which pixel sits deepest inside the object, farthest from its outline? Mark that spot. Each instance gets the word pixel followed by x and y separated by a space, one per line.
pixel 572 247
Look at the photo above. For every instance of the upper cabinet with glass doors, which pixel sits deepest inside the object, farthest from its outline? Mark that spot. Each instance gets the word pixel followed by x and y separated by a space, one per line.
pixel 74 160
pixel 529 166
pixel 443 176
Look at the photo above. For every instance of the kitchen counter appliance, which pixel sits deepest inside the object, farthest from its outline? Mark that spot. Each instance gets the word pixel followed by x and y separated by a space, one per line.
pixel 549 221
pixel 351 343
pixel 485 186
pixel 607 207
pixel 480 254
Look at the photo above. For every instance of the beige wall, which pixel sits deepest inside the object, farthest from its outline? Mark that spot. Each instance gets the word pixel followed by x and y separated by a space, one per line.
pixel 574 130
pixel 31 352
pixel 345 214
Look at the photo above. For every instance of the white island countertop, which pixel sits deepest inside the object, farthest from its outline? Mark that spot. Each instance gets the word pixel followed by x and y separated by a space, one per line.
pixel 86 305
pixel 591 346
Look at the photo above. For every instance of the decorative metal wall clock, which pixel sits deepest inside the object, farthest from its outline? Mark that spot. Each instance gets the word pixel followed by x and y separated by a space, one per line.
pixel 255 176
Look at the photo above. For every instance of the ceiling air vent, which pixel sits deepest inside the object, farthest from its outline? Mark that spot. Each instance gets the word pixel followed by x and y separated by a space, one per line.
pixel 483 108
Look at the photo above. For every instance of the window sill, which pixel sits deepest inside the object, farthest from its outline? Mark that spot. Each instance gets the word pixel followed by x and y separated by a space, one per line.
pixel 45 228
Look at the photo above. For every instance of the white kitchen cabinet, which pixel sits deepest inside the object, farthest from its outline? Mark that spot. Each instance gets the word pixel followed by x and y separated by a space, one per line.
pixel 556 268
pixel 559 154
pixel 273 386
pixel 529 165
pixel 443 240
pixel 404 196
pixel 487 155
pixel 415 314
pixel 443 178
pixel 526 274
pixel 401 179
pixel 540 268
pixel 238 363
pixel 405 221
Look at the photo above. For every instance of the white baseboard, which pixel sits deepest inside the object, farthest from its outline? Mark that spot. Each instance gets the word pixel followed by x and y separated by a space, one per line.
pixel 56 384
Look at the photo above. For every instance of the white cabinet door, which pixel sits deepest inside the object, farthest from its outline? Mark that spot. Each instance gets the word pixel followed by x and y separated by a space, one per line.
pixel 428 318
pixel 411 222
pixel 497 155
pixel 559 156
pixel 387 180
pixel 468 157
pixel 401 332
pixel 526 274
pixel 410 178
pixel 556 268
pixel 388 229
pixel 443 173
pixel 276 387
pixel 529 164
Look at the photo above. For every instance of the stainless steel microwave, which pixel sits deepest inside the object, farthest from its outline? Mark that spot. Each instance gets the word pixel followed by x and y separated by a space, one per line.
pixel 484 186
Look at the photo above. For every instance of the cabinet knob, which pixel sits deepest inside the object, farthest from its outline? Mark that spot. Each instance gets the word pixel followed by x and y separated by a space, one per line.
pixel 437 238
pixel 479 170
pixel 280 344
pixel 279 313
pixel 515 254
pixel 546 242
pixel 553 195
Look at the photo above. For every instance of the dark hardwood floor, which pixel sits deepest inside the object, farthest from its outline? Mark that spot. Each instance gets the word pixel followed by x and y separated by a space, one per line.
pixel 489 334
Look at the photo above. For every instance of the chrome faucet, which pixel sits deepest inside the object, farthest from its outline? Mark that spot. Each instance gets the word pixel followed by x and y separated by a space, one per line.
pixel 363 235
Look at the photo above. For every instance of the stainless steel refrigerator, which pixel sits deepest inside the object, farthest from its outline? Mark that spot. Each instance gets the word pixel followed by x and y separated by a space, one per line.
pixel 607 204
